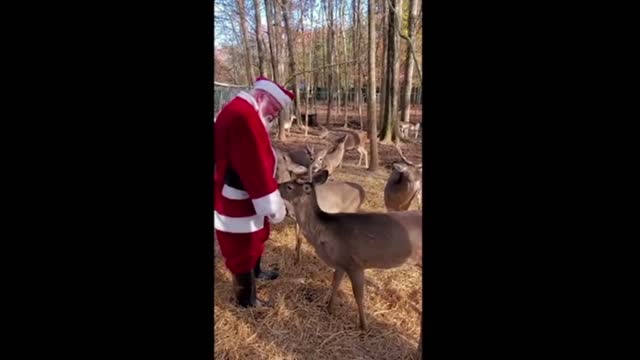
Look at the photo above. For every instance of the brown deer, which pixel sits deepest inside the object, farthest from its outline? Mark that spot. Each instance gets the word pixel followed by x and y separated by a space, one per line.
pixel 333 159
pixel 406 128
pixel 356 140
pixel 333 197
pixel 404 184
pixel 353 242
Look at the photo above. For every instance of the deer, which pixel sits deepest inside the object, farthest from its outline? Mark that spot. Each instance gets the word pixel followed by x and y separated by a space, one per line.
pixel 356 140
pixel 335 196
pixel 406 128
pixel 403 185
pixel 333 159
pixel 352 242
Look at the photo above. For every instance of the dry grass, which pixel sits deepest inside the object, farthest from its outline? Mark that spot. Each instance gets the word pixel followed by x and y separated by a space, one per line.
pixel 297 326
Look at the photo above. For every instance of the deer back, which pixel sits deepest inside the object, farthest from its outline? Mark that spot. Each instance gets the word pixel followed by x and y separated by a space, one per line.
pixel 338 196
pixel 354 240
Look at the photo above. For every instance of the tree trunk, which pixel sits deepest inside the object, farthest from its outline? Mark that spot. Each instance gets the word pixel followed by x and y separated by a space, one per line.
pixel 371 107
pixel 245 42
pixel 256 4
pixel 331 60
pixel 389 124
pixel 270 36
pixel 358 65
pixel 383 84
pixel 286 11
pixel 309 76
pixel 408 71
pixel 346 66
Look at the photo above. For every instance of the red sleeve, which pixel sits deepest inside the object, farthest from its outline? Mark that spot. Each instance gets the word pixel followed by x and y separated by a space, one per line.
pixel 252 158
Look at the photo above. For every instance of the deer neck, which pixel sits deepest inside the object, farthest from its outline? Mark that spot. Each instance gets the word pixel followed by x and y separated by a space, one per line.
pixel 312 219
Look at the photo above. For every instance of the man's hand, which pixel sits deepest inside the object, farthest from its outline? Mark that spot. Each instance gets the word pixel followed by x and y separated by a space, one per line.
pixel 278 216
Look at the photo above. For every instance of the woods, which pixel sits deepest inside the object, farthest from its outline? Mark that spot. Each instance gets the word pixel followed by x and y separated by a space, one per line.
pixel 336 55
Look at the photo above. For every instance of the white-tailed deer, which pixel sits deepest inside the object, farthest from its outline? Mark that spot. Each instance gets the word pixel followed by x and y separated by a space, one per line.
pixel 333 197
pixel 353 242
pixel 356 140
pixel 406 128
pixel 333 159
pixel 404 184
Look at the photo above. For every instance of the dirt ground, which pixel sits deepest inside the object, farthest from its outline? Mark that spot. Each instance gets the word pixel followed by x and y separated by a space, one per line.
pixel 298 325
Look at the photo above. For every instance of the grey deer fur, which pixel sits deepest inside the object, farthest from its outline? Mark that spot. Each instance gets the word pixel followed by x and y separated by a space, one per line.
pixel 404 184
pixel 353 242
pixel 333 197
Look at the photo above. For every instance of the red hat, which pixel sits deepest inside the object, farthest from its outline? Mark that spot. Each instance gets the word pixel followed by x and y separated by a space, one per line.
pixel 284 96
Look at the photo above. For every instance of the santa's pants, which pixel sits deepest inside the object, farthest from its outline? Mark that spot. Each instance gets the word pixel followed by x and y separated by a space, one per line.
pixel 241 251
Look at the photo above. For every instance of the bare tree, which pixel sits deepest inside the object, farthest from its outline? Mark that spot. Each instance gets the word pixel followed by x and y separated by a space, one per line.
pixel 286 10
pixel 256 4
pixel 389 124
pixel 270 36
pixel 408 72
pixel 384 26
pixel 331 59
pixel 245 41
pixel 373 132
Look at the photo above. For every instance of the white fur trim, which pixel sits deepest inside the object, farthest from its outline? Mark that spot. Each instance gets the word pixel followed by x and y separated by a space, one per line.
pixel 233 193
pixel 268 204
pixel 274 90
pixel 248 98
pixel 238 225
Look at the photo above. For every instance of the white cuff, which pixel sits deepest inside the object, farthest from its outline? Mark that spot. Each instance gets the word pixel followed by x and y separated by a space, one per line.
pixel 268 204
pixel 278 216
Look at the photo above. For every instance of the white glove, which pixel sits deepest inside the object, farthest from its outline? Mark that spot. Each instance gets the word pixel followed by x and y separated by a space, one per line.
pixel 279 215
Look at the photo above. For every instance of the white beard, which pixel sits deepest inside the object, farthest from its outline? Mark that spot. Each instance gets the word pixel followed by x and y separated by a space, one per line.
pixel 267 120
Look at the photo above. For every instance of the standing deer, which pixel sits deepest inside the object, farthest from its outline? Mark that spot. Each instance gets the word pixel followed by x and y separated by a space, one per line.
pixel 356 140
pixel 406 128
pixel 353 242
pixel 333 197
pixel 333 159
pixel 404 184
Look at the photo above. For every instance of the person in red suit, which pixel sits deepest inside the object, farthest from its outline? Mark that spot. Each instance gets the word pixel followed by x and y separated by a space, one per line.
pixel 246 197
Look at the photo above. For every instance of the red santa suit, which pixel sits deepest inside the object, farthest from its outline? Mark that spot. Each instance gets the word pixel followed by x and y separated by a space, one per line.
pixel 245 190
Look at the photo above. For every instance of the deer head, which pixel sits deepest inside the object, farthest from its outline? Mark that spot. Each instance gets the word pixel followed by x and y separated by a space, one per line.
pixel 301 191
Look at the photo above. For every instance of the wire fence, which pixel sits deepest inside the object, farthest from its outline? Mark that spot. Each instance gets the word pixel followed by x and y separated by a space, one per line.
pixel 223 93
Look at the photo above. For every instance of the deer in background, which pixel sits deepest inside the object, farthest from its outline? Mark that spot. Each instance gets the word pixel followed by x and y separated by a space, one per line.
pixel 356 140
pixel 330 160
pixel 353 242
pixel 406 128
pixel 404 184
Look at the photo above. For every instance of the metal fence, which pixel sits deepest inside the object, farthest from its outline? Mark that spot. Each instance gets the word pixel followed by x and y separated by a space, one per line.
pixel 223 93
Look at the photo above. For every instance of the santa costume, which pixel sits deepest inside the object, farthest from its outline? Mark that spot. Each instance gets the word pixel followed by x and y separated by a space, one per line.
pixel 246 196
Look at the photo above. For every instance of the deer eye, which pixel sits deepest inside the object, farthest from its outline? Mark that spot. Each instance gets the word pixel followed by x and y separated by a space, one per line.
pixel 290 187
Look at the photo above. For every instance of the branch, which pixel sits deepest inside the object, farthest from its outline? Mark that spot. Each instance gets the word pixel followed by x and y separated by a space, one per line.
pixel 230 85
pixel 407 39
pixel 316 69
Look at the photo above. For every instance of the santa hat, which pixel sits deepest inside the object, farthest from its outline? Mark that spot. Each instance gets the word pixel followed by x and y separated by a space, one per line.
pixel 281 94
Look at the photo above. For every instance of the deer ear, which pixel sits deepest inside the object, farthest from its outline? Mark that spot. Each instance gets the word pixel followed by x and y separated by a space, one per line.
pixel 321 177
pixel 400 167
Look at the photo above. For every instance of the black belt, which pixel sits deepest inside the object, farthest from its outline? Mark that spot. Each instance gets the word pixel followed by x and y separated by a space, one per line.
pixel 232 179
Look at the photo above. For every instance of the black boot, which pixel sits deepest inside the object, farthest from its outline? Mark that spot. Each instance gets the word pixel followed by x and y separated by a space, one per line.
pixel 264 275
pixel 244 286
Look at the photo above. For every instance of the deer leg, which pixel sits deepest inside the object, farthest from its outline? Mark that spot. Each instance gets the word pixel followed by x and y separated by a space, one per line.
pixel 366 158
pixel 298 243
pixel 359 157
pixel 338 275
pixel 357 284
